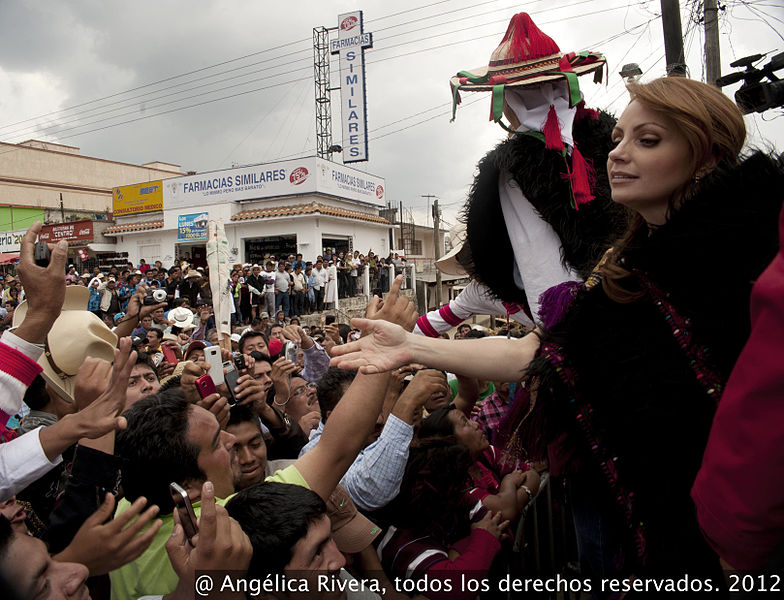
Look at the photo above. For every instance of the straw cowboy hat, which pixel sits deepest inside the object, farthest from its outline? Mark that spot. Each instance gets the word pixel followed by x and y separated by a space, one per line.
pixel 75 335
pixel 449 263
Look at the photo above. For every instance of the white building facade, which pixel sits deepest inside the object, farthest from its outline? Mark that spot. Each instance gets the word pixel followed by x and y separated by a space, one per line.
pixel 300 206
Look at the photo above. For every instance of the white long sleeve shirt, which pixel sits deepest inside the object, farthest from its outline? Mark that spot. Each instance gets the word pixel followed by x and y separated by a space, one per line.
pixel 22 461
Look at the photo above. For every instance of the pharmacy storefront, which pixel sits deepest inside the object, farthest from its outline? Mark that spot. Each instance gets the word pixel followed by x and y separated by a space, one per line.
pixel 299 206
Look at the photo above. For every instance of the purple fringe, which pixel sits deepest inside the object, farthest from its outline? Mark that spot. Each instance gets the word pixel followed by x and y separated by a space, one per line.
pixel 554 302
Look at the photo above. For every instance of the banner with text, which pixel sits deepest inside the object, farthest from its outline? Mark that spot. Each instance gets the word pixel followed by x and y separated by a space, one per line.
pixel 302 176
pixel 137 198
pixel 76 231
pixel 192 228
pixel 11 241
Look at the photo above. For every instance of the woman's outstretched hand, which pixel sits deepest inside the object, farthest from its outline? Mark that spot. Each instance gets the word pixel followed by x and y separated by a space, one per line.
pixel 383 346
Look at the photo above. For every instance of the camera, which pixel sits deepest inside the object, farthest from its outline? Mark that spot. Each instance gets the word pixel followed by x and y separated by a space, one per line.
pixel 41 254
pixel 154 297
pixel 239 362
pixel 290 352
pixel 756 95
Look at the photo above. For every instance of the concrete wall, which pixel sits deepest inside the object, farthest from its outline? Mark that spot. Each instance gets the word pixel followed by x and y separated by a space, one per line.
pixel 35 177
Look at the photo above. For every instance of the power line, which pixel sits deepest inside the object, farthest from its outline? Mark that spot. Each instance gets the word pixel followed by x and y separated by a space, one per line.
pixel 174 77
pixel 38 130
pixel 202 69
pixel 370 62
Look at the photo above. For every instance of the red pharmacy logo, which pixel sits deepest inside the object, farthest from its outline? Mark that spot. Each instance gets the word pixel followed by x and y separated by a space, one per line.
pixel 379 191
pixel 298 175
pixel 348 23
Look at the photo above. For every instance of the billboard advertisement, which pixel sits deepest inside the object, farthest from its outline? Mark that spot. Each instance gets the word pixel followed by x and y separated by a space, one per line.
pixel 11 241
pixel 286 178
pixel 76 231
pixel 192 227
pixel 137 198
pixel 350 46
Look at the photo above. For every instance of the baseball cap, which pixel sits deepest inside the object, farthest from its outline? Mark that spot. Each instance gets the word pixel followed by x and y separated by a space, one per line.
pixel 351 530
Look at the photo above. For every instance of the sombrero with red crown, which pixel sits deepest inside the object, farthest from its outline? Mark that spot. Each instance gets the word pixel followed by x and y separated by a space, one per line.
pixel 526 56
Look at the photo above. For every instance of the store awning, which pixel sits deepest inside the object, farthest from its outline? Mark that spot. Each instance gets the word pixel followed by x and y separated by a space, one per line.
pixel 8 257
pixel 131 227
pixel 314 208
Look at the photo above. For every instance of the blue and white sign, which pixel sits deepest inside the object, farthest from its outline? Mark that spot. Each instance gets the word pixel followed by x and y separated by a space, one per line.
pixel 193 227
pixel 287 178
pixel 350 45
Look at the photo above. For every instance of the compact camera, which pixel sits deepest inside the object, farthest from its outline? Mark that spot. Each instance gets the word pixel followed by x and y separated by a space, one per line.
pixel 290 351
pixel 154 297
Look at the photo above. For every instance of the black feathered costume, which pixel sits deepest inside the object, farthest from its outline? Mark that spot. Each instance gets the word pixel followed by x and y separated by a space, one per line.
pixel 584 234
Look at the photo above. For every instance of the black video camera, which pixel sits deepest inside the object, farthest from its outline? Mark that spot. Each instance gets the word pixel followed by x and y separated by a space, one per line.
pixel 756 95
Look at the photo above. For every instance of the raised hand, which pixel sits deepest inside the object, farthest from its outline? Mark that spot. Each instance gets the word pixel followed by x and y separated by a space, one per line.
pixel 220 545
pixel 44 286
pixel 396 308
pixel 383 346
pixel 492 523
pixel 103 545
pixel 102 415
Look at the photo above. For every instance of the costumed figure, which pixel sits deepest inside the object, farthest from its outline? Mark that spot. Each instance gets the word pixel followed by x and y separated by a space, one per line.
pixel 537 213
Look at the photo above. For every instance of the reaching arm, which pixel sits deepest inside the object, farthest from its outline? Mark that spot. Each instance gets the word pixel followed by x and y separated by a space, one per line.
pixel 136 311
pixel 100 417
pixel 356 413
pixel 467 394
pixel 385 346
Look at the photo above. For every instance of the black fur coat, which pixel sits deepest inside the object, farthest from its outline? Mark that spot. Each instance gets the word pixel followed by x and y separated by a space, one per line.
pixel 648 406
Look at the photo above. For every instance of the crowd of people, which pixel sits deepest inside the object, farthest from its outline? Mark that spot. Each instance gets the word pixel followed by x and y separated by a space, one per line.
pixel 643 371
pixel 291 284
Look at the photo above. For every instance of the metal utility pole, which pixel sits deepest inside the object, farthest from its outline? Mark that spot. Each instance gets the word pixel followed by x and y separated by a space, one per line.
pixel 437 244
pixel 402 243
pixel 712 52
pixel 673 37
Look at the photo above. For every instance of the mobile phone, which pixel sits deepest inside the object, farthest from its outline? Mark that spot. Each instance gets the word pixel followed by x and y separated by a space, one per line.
pixel 184 508
pixel 291 352
pixel 230 379
pixel 239 362
pixel 330 319
pixel 169 355
pixel 212 354
pixel 41 254
pixel 205 386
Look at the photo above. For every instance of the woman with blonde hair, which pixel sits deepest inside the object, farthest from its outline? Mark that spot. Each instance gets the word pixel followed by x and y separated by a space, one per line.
pixel 628 378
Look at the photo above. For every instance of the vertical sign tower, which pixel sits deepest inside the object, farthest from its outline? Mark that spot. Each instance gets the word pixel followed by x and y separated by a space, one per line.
pixel 350 45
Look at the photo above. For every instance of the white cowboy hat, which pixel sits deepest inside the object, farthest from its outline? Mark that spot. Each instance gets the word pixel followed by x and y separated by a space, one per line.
pixel 75 335
pixel 182 317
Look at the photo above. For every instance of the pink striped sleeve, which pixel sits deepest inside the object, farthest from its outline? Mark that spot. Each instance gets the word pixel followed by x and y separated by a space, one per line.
pixel 17 372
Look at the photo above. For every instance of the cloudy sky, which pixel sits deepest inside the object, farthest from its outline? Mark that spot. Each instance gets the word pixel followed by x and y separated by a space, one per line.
pixel 211 84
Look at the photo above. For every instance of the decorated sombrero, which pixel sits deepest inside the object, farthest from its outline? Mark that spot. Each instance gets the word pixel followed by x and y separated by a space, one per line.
pixel 526 56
